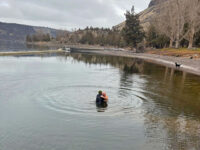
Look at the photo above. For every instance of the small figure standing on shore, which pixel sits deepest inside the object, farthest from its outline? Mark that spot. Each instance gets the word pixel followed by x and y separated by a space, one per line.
pixel 177 65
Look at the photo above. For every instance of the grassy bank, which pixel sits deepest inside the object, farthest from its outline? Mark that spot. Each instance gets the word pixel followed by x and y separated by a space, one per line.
pixel 182 52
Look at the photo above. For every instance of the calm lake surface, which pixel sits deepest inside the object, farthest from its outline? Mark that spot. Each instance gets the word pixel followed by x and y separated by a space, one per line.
pixel 48 103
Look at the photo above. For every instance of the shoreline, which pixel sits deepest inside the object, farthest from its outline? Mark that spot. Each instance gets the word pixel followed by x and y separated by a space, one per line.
pixel 24 53
pixel 187 65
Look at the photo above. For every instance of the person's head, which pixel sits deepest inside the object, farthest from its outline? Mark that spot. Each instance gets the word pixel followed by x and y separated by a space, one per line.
pixel 104 94
pixel 100 92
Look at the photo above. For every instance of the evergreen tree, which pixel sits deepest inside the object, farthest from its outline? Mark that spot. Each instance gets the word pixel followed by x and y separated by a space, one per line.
pixel 132 32
pixel 28 38
pixel 155 39
pixel 47 37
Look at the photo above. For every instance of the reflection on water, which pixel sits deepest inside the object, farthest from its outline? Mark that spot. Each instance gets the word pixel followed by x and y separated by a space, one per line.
pixel 177 87
pixel 172 114
pixel 102 107
pixel 49 103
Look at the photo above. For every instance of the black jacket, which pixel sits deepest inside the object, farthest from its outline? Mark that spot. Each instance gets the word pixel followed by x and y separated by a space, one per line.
pixel 99 99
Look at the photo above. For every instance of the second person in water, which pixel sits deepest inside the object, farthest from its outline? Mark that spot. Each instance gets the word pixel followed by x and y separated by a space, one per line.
pixel 105 97
pixel 101 97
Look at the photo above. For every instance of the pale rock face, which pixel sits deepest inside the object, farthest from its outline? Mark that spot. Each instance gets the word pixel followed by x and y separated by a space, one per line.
pixel 156 2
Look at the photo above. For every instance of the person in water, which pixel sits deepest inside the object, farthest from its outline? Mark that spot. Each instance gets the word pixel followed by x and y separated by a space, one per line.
pixel 101 97
pixel 104 97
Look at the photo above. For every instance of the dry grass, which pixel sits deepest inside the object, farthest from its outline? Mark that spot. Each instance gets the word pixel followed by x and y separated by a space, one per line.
pixel 182 52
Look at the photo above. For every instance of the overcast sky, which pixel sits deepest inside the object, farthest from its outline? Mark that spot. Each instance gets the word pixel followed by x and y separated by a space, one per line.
pixel 68 14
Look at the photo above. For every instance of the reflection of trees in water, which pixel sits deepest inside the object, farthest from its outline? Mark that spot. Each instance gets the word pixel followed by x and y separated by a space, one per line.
pixel 172 115
pixel 165 86
pixel 174 112
pixel 174 89
pixel 126 82
pixel 128 65
pixel 126 76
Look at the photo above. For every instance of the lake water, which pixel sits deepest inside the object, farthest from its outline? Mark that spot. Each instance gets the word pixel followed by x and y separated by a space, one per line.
pixel 48 103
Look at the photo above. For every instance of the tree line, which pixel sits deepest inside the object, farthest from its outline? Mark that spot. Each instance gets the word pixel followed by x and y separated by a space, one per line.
pixel 176 25
pixel 92 36
pixel 38 37
pixel 179 21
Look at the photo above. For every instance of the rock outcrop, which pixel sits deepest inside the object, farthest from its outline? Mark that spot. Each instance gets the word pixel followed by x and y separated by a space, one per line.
pixel 147 15
pixel 155 2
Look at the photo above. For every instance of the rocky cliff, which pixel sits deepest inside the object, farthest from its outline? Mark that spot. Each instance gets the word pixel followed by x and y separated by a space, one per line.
pixel 147 15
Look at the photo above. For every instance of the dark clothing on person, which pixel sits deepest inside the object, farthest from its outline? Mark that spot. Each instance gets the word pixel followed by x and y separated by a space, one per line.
pixel 102 105
pixel 99 99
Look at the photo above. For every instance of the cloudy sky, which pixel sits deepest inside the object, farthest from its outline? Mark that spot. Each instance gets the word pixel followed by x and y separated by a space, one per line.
pixel 68 14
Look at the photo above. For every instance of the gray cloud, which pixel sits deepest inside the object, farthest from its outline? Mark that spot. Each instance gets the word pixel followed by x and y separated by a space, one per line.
pixel 68 14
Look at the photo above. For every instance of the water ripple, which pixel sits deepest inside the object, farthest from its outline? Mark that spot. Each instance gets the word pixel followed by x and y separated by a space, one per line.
pixel 80 99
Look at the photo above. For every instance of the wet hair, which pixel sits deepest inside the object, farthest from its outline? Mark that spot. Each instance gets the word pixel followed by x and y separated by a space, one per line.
pixel 100 92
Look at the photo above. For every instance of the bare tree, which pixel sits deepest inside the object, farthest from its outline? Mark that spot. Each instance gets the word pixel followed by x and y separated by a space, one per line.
pixel 171 20
pixel 180 21
pixel 164 22
pixel 193 19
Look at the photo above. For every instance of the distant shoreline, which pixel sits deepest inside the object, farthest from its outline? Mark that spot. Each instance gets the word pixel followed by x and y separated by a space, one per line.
pixel 24 53
pixel 187 65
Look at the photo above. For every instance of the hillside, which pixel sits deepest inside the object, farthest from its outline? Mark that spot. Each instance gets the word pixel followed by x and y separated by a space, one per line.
pixel 10 32
pixel 147 15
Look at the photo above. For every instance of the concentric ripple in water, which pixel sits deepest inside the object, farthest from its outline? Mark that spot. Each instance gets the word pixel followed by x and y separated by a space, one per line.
pixel 80 99
pixel 49 103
